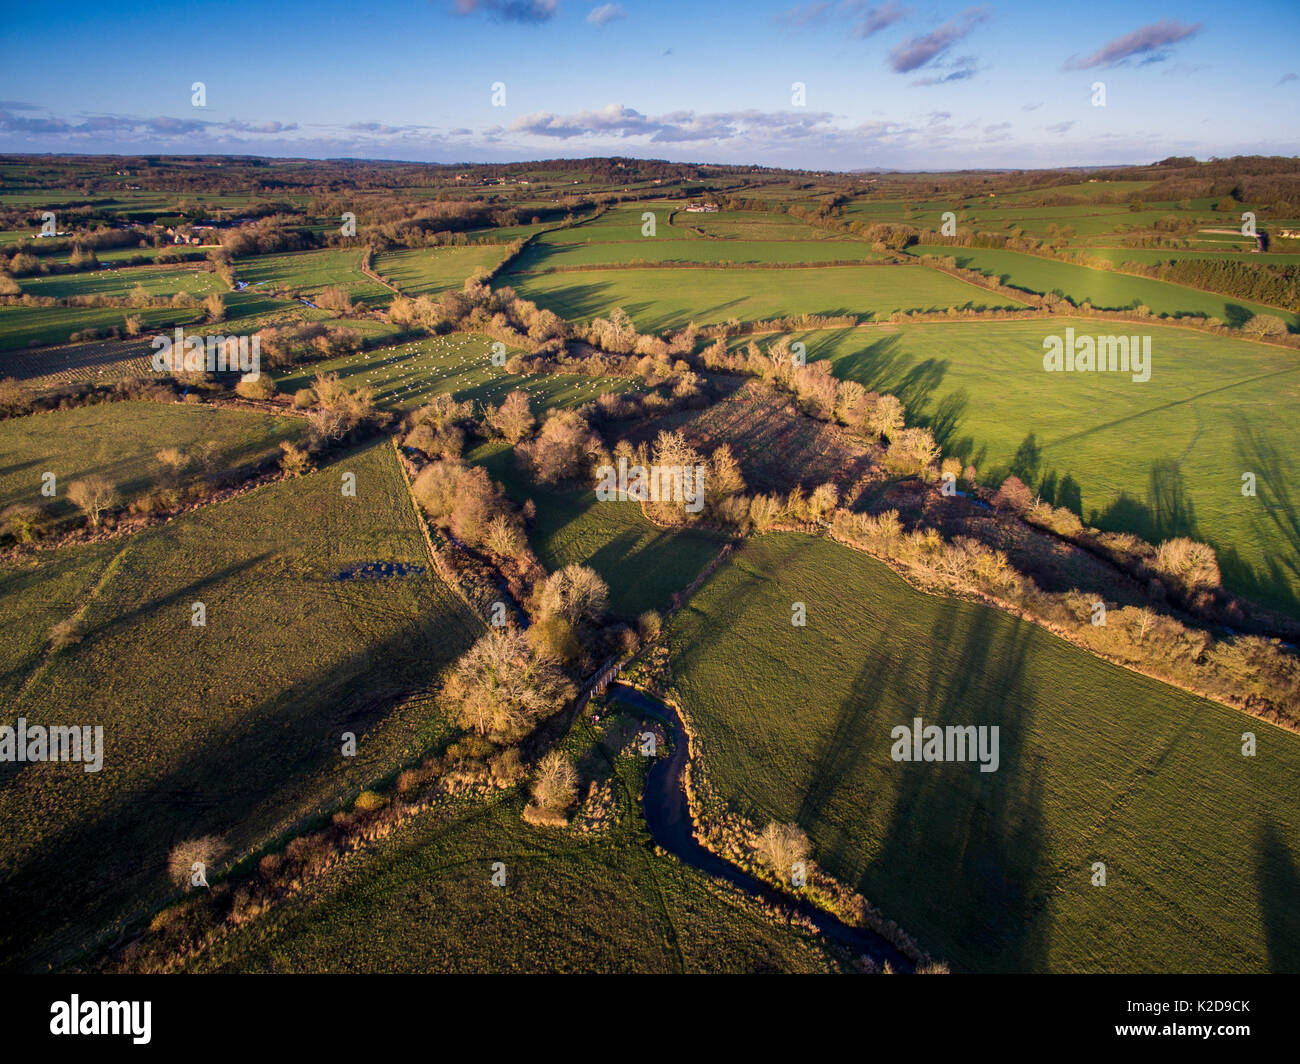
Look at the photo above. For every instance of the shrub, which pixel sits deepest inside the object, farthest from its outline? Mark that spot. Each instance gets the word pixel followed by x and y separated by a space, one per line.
pixel 23 520
pixel 66 634
pixel 262 387
pixel 205 851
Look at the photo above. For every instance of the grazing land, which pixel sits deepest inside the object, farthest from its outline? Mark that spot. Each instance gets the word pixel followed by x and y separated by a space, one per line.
pixel 234 728
pixel 1162 458
pixel 1097 764
pixel 670 298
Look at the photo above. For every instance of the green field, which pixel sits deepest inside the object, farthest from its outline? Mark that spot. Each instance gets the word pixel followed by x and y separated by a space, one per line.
pixel 232 728
pixel 309 272
pixel 430 271
pixel 753 225
pixel 705 252
pixel 644 565
pixel 622 225
pixel 661 299
pixel 410 374
pixel 1162 458
pixel 119 441
pixel 990 871
pixel 422 901
pixel 156 280
pixel 1105 289
pixel 22 327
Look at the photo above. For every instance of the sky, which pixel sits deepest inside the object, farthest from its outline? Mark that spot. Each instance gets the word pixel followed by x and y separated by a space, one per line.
pixel 820 85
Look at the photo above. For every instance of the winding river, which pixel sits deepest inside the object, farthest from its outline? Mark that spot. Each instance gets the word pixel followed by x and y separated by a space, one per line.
pixel 668 816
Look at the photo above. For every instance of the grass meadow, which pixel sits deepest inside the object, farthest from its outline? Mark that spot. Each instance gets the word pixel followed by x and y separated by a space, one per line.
pixel 667 298
pixel 431 271
pixel 1105 289
pixel 422 901
pixel 233 728
pixel 410 374
pixel 119 441
pixel 991 871
pixel 1162 458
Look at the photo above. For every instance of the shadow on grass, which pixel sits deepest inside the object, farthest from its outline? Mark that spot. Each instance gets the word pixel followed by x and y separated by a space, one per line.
pixel 1279 889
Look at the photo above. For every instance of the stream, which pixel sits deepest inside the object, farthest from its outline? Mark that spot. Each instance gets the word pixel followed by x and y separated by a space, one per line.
pixel 668 816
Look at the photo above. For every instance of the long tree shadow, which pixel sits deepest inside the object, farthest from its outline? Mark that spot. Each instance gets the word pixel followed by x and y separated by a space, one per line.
pixel 1166 512
pixel 1279 892
pixel 267 766
pixel 971 842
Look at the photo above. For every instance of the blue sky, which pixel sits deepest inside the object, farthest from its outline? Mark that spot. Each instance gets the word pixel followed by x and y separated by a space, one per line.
pixel 887 83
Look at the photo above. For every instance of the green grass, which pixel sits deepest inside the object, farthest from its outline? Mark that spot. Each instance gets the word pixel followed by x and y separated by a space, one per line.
pixel 990 871
pixel 706 252
pixel 753 225
pixel 622 225
pixel 231 729
pixel 411 373
pixel 644 565
pixel 156 280
pixel 119 441
pixel 246 312
pixel 42 326
pixel 661 299
pixel 312 271
pixel 1147 256
pixel 422 901
pixel 1162 458
pixel 1105 289
pixel 430 271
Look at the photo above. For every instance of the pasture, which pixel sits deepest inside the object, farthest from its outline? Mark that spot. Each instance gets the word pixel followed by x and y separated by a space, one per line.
pixel 1162 458
pixel 411 373
pixel 1105 289
pixel 119 441
pixel 310 272
pixel 232 728
pixel 703 252
pixel 669 298
pixel 644 565
pixel 431 271
pixel 422 901
pixel 990 871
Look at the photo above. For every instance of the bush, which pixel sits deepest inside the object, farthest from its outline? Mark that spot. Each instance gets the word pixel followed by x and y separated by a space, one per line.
pixel 205 851
pixel 369 802
pixel 66 634
pixel 263 387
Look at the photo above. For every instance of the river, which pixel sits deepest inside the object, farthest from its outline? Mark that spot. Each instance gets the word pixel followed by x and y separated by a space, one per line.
pixel 668 816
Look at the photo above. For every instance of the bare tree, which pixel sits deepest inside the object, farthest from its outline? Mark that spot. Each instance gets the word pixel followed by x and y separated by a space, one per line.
pixel 782 846
pixel 206 851
pixel 555 784
pixel 93 495
pixel 502 686
pixel 513 418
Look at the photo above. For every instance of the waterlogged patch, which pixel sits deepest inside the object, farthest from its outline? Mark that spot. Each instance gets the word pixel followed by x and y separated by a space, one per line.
pixel 379 570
